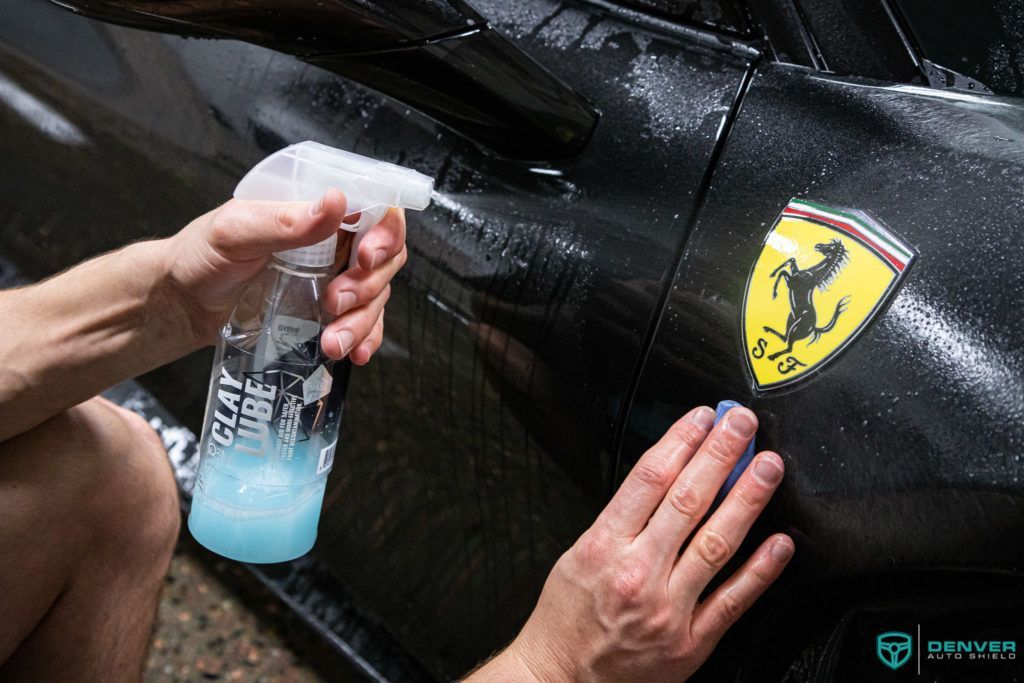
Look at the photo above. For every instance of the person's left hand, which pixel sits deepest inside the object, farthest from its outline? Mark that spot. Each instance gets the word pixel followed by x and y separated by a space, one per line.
pixel 214 257
pixel 623 603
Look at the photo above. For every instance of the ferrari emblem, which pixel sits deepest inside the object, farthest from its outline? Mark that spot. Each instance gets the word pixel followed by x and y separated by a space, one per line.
pixel 822 275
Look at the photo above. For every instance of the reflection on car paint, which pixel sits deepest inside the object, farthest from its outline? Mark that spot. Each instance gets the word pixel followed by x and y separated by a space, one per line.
pixel 466 74
pixel 40 115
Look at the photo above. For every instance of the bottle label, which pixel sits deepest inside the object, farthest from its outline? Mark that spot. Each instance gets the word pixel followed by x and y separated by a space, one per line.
pixel 273 412
pixel 242 414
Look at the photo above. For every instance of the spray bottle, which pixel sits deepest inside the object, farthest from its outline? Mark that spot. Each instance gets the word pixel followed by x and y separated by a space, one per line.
pixel 275 400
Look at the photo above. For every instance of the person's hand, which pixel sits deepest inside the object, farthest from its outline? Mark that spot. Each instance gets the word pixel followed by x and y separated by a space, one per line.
pixel 622 603
pixel 215 256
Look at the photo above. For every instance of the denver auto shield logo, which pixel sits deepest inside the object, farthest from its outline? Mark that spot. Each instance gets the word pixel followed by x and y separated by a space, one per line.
pixel 894 648
pixel 822 275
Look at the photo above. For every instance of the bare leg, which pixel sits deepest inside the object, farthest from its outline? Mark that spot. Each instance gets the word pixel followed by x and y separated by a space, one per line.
pixel 90 517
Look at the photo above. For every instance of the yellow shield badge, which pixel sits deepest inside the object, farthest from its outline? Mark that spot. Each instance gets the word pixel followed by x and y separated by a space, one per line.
pixel 821 276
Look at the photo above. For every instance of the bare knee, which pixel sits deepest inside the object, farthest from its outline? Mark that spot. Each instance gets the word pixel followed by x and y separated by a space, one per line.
pixel 142 515
pixel 122 487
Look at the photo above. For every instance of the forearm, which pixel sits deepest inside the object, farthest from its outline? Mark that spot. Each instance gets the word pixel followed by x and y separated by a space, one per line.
pixel 129 311
pixel 76 334
pixel 528 659
pixel 504 666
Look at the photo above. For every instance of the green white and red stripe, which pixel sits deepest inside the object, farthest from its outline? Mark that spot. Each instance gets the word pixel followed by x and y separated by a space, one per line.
pixel 857 225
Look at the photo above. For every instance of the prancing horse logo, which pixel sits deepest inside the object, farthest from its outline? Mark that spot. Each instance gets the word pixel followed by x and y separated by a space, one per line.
pixel 839 263
pixel 803 319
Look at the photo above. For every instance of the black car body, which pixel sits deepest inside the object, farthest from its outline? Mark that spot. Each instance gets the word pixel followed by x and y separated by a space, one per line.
pixel 608 172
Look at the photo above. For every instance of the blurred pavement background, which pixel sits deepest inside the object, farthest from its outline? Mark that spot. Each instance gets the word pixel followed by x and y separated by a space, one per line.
pixel 216 622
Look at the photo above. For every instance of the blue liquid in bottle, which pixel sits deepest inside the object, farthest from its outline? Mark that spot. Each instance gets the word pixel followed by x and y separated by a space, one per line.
pixel 255 522
pixel 271 423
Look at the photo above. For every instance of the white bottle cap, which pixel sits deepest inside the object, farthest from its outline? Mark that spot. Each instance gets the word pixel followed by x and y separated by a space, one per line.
pixel 314 256
pixel 305 171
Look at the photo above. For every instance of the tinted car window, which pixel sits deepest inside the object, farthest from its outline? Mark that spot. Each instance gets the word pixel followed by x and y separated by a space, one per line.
pixel 858 38
pixel 983 39
pixel 724 15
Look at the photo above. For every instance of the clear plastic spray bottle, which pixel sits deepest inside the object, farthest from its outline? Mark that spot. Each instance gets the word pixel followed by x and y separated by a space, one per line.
pixel 275 401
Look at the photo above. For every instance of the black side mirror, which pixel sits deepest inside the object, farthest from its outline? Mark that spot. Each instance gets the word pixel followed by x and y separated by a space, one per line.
pixel 439 56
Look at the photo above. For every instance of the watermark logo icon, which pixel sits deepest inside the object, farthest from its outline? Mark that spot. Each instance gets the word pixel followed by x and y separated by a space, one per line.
pixel 894 648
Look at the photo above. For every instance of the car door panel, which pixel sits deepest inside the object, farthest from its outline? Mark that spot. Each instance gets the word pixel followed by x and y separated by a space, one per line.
pixel 519 320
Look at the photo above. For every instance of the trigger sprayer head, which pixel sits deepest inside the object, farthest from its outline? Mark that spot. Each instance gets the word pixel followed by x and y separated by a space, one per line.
pixel 304 172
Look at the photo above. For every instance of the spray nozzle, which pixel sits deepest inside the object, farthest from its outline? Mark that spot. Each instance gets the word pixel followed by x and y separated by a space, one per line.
pixel 304 171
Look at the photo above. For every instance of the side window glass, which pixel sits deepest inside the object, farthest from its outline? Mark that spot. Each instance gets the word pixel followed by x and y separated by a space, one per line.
pixel 981 39
pixel 720 15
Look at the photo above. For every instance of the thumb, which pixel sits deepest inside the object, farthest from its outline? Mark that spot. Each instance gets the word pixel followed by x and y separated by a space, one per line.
pixel 242 230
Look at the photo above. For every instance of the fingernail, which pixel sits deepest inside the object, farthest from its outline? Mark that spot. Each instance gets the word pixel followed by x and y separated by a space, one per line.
pixel 345 338
pixel 346 300
pixel 782 550
pixel 378 258
pixel 317 208
pixel 703 417
pixel 767 471
pixel 367 347
pixel 740 423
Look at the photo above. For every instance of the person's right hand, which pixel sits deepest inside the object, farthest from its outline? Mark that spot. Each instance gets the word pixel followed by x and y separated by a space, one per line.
pixel 622 603
pixel 213 259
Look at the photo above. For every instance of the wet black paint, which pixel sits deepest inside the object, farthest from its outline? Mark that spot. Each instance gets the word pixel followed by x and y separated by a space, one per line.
pixel 438 56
